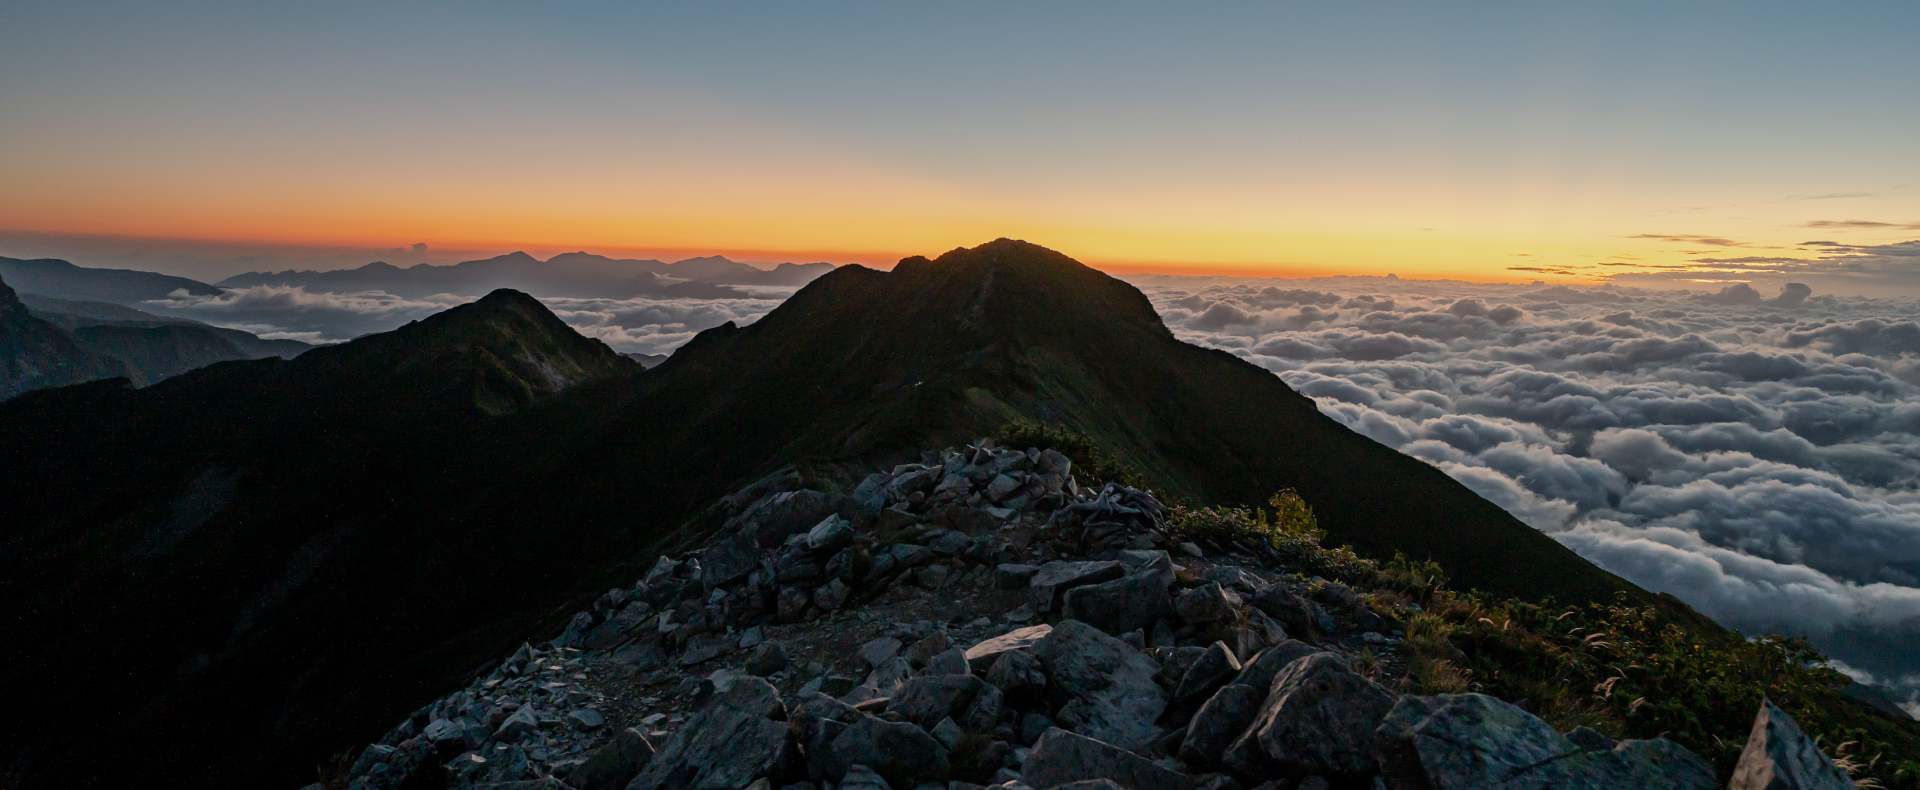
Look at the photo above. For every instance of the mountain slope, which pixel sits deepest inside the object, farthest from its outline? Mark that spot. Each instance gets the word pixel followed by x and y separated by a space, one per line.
pixel 62 280
pixel 72 315
pixel 233 573
pixel 36 354
pixel 154 353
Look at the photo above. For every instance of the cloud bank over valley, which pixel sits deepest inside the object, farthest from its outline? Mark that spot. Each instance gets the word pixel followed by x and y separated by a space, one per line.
pixel 1756 455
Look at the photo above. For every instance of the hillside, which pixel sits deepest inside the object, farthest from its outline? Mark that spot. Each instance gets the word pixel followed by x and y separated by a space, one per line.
pixel 62 280
pixel 244 568
pixel 73 315
pixel 36 354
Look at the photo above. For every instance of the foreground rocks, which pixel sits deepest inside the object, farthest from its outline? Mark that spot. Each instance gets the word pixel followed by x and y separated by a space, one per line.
pixel 979 619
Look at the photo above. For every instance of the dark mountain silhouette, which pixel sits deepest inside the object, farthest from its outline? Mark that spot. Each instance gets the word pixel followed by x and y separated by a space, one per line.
pixel 75 315
pixel 569 274
pixel 226 577
pixel 36 354
pixel 62 280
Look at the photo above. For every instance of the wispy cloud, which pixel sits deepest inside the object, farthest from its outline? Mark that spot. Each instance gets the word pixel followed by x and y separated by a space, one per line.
pixel 1860 224
pixel 1711 241
pixel 1833 196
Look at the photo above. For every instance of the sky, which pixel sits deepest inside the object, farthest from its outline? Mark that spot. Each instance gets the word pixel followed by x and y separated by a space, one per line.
pixel 1658 144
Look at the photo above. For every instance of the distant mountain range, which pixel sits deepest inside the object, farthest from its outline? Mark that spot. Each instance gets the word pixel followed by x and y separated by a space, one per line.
pixel 571 274
pixel 223 579
pixel 59 279
pixel 47 342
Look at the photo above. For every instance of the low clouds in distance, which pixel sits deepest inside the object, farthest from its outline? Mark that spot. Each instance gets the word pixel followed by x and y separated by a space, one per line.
pixel 639 325
pixel 1755 454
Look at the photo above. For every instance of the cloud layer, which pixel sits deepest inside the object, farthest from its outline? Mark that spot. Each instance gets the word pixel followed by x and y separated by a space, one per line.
pixel 1757 455
pixel 643 325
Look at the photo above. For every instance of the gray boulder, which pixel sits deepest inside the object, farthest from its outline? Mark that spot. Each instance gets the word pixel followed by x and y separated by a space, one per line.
pixel 860 777
pixel 1318 720
pixel 1299 615
pixel 1061 758
pixel 903 754
pixel 1263 668
pixel 611 766
pixel 1013 576
pixel 1208 603
pixel 1129 603
pixel 926 700
pixel 1456 742
pixel 830 535
pixel 1221 720
pixel 1152 561
pixel 1049 586
pixel 1779 755
pixel 1115 697
pixel 1213 670
pixel 953 661
pixel 883 681
pixel 767 659
pixel 741 735
pixel 1019 675
pixel 982 655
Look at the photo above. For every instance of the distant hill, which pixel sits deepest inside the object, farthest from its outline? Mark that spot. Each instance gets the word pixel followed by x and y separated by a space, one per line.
pixel 647 360
pixel 577 274
pixel 74 315
pixel 225 578
pixel 49 342
pixel 62 280
pixel 36 354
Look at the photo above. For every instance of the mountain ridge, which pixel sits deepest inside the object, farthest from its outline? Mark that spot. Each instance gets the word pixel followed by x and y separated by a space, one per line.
pixel 578 274
pixel 427 494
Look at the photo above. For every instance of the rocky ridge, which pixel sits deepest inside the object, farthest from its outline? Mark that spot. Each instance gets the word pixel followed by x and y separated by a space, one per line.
pixel 980 619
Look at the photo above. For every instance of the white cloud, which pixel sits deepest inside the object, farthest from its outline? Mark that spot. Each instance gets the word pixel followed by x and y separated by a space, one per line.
pixel 1759 458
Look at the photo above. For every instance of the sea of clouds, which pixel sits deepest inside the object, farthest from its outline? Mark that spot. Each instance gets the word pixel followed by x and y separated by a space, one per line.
pixel 1756 455
pixel 640 325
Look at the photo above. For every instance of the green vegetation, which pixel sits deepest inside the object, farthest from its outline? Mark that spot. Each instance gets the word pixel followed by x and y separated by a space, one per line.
pixel 1290 533
pixel 1093 465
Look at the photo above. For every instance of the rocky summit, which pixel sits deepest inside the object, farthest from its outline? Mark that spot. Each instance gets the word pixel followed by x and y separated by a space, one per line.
pixel 981 619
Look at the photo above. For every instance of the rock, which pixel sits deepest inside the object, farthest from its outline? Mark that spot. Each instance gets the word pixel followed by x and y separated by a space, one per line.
pixel 791 604
pixel 1318 720
pixel 927 699
pixel 1125 604
pixel 830 535
pixel 1162 636
pixel 1235 577
pixel 1220 721
pixel 586 719
pixel 1001 488
pixel 951 662
pixel 908 555
pixel 1049 586
pixel 1145 560
pixel 1060 757
pixel 752 637
pixel 1779 755
pixel 1300 616
pixel 1264 667
pixel 901 753
pixel 883 681
pixel 1192 549
pixel 767 659
pixel 1207 603
pixel 947 733
pixel 1011 576
pixel 1019 675
pixel 872 492
pixel 1118 700
pixel 987 708
pixel 519 723
pixel 933 577
pixel 1213 670
pixel 706 647
pixel 741 735
pixel 611 766
pixel 950 544
pixel 832 595
pixel 873 653
pixel 982 655
pixel 1456 742
pixel 860 777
